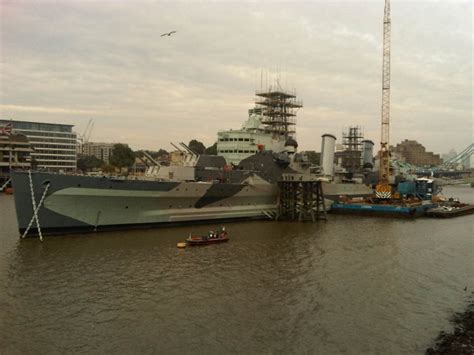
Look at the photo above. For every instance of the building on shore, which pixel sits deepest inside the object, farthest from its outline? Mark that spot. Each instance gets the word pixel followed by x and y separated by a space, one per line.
pixel 15 154
pixel 102 151
pixel 54 145
pixel 414 153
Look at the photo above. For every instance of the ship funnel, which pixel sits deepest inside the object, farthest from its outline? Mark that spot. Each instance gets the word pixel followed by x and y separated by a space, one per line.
pixel 367 153
pixel 328 146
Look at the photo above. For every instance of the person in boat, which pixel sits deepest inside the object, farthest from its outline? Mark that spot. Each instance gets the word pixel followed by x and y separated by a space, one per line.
pixel 222 232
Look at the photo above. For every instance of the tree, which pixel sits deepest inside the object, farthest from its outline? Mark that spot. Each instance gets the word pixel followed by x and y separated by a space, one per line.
pixel 108 169
pixel 88 162
pixel 212 150
pixel 162 153
pixel 197 146
pixel 122 156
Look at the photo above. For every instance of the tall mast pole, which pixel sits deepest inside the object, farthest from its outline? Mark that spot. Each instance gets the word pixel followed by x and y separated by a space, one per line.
pixel 384 170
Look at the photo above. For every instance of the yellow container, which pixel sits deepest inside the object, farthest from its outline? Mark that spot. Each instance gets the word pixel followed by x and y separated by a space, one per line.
pixel 181 245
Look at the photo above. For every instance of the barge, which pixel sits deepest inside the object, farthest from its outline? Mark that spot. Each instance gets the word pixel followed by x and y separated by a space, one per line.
pixel 461 209
pixel 383 210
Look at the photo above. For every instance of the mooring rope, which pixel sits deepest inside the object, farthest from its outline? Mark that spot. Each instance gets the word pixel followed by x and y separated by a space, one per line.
pixel 35 208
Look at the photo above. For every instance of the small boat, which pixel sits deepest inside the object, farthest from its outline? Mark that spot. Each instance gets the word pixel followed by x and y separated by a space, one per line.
pixel 450 211
pixel 210 238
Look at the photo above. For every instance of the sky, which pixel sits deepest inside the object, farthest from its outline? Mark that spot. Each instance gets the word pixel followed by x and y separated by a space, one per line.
pixel 72 61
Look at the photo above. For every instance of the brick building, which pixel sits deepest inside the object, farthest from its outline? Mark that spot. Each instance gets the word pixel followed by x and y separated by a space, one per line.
pixel 414 153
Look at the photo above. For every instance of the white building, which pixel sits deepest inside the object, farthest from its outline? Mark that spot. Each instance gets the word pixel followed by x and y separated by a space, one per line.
pixel 54 144
pixel 102 151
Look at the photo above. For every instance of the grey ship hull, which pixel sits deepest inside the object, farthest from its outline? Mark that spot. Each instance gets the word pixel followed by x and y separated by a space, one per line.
pixel 87 204
pixel 82 203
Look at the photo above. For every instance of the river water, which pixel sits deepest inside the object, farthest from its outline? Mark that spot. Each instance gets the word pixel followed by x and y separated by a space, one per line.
pixel 349 285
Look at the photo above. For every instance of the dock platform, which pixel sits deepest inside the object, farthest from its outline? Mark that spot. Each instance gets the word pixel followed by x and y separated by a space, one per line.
pixel 382 209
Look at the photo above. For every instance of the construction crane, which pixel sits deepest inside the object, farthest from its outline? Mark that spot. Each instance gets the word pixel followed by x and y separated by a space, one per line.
pixel 88 131
pixel 85 136
pixel 383 189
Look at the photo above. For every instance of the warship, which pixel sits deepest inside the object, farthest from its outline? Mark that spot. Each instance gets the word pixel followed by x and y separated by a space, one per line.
pixel 204 189
pixel 200 188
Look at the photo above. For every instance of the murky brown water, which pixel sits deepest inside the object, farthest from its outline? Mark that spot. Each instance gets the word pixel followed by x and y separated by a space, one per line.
pixel 354 285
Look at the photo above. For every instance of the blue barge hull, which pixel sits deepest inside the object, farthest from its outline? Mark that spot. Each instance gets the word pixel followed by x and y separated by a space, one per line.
pixel 381 210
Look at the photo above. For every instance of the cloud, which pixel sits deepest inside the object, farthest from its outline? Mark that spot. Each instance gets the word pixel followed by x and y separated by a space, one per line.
pixel 54 110
pixel 72 61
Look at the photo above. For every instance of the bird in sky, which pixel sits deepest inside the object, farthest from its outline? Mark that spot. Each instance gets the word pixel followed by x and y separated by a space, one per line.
pixel 168 33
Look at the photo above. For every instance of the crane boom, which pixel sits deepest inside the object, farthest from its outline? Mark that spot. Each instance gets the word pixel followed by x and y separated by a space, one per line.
pixel 383 189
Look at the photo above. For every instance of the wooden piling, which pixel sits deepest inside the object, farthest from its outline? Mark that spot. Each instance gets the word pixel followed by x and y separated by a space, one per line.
pixel 300 197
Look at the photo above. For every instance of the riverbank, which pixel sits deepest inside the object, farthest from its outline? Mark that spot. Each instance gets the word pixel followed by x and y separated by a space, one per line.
pixel 462 340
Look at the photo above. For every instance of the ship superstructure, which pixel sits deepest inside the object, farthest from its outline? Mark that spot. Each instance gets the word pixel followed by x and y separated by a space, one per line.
pixel 237 144
pixel 269 125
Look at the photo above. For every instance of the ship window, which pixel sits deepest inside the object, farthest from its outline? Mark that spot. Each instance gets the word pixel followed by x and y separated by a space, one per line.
pixel 241 139
pixel 240 151
pixel 247 139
